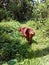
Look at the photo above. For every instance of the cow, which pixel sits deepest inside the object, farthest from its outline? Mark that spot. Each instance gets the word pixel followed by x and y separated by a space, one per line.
pixel 28 33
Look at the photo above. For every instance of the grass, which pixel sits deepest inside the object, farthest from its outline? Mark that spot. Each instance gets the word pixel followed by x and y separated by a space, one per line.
pixel 38 52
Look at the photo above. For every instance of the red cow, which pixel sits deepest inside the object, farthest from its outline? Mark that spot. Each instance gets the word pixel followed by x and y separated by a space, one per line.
pixel 27 32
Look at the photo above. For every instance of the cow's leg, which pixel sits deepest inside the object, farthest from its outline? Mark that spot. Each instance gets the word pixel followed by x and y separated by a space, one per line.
pixel 29 40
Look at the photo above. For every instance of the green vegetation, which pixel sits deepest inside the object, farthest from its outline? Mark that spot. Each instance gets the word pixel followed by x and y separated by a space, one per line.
pixel 23 10
pixel 17 9
pixel 9 37
pixel 16 52
pixel 13 49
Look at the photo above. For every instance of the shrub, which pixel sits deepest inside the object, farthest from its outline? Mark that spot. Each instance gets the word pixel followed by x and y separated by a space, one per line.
pixel 21 10
pixel 40 12
pixel 9 39
pixel 2 14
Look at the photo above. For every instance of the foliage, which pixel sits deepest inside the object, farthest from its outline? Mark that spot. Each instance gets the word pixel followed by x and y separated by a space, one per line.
pixel 9 38
pixel 4 14
pixel 22 10
pixel 14 49
pixel 37 53
pixel 40 12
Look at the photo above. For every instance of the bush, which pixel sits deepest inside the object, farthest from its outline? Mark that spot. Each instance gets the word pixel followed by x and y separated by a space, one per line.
pixel 40 12
pixel 9 39
pixel 24 10
pixel 21 10
pixel 9 31
pixel 4 14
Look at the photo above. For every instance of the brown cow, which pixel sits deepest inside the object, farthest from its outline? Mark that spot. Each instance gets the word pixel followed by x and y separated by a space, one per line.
pixel 27 32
